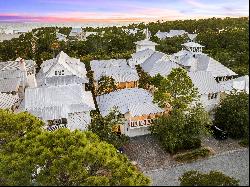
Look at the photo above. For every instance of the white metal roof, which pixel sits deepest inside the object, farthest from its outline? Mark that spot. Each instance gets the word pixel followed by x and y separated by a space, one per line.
pixel 120 74
pixel 206 63
pixel 7 100
pixel 73 65
pixel 205 82
pixel 148 64
pixel 62 80
pixel 137 101
pixel 139 57
pixel 9 85
pixel 14 65
pixel 97 64
pixel 163 68
pixel 56 102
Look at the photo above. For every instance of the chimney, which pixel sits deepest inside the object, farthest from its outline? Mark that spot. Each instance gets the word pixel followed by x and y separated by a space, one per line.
pixel 22 65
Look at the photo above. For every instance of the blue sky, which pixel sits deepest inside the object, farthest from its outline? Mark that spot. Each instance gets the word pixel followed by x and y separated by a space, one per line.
pixel 118 10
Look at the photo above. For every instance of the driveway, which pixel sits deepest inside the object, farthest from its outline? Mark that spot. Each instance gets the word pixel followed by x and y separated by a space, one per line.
pixel 232 163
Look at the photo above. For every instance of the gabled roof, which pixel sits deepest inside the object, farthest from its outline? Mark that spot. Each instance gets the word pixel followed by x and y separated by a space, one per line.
pixel 139 57
pixel 56 102
pixel 73 65
pixel 163 68
pixel 62 80
pixel 7 100
pixel 118 69
pixel 97 64
pixel 148 64
pixel 120 74
pixel 206 63
pixel 14 65
pixel 205 82
pixel 9 85
pixel 136 101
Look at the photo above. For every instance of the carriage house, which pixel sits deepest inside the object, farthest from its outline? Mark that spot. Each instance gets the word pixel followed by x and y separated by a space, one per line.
pixel 60 106
pixel 137 107
pixel 62 70
pixel 123 75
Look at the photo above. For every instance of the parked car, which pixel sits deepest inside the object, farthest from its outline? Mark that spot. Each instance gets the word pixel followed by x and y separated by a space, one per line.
pixel 219 133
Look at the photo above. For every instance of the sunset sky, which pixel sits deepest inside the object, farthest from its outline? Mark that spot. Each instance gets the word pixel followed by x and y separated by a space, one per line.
pixel 118 10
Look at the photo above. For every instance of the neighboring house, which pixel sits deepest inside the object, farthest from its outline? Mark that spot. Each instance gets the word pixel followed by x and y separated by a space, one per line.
pixel 9 101
pixel 137 107
pixel 60 106
pixel 161 35
pixel 209 90
pixel 17 75
pixel 170 34
pixel 76 34
pixel 61 37
pixel 62 70
pixel 238 84
pixel 123 75
pixel 131 31
pixel 192 59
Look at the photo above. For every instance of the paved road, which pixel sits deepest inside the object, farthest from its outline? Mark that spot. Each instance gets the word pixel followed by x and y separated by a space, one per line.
pixel 232 163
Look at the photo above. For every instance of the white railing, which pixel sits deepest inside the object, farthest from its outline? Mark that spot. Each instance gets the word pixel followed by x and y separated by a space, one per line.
pixel 140 123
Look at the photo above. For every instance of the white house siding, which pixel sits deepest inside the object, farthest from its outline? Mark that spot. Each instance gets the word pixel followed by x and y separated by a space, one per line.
pixel 209 104
pixel 138 131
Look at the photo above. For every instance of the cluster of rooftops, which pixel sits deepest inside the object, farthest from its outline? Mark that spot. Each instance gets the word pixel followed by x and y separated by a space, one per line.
pixel 58 92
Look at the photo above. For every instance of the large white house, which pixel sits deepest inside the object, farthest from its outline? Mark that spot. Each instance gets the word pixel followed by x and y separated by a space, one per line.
pixel 137 107
pixel 60 106
pixel 193 59
pixel 170 34
pixel 62 70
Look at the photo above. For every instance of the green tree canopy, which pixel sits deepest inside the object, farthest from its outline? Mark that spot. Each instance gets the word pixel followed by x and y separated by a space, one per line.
pixel 176 89
pixel 106 85
pixel 64 158
pixel 104 126
pixel 232 115
pixel 213 178
pixel 13 127
pixel 181 129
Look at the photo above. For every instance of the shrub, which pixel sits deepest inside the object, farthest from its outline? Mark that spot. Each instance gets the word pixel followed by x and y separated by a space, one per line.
pixel 232 115
pixel 192 143
pixel 194 155
pixel 214 178
pixel 244 142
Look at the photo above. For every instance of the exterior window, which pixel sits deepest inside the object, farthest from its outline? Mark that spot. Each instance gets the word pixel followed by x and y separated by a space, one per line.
pixel 55 72
pixel 212 96
pixel 62 72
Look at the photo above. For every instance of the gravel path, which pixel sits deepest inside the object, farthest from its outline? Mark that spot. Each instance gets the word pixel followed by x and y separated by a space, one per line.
pixel 232 163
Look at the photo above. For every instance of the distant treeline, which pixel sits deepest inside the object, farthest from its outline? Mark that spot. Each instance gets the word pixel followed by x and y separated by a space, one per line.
pixel 226 40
